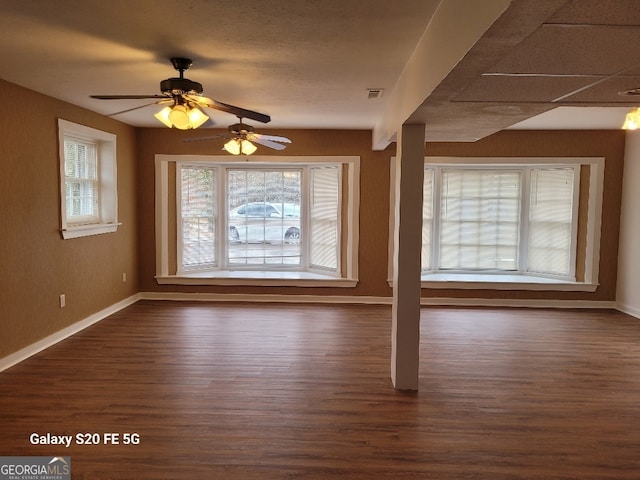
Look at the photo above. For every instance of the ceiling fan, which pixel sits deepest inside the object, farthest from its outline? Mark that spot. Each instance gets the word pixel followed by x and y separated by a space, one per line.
pixel 184 97
pixel 242 138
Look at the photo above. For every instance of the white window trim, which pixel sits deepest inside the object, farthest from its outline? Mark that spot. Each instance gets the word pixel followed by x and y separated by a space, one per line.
pixel 500 281
pixel 106 151
pixel 255 277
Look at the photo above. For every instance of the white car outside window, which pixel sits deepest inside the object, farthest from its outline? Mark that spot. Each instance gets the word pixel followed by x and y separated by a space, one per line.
pixel 264 222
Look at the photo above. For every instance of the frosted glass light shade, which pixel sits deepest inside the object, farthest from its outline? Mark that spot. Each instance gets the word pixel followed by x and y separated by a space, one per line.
pixel 179 117
pixel 248 148
pixel 182 117
pixel 235 146
pixel 232 146
pixel 196 117
pixel 163 116
pixel 632 120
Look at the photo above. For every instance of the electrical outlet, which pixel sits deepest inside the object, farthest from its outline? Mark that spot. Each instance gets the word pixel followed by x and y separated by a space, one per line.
pixel 124 277
pixel 63 300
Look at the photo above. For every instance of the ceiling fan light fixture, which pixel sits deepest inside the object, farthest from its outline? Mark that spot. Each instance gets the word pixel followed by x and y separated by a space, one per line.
pixel 197 117
pixel 632 120
pixel 233 146
pixel 163 116
pixel 182 117
pixel 236 146
pixel 247 147
pixel 179 117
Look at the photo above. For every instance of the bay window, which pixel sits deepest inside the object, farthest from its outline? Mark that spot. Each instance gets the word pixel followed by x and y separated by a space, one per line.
pixel 511 223
pixel 271 220
pixel 501 219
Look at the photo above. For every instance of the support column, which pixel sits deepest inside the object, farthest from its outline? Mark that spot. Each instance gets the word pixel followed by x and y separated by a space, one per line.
pixel 405 334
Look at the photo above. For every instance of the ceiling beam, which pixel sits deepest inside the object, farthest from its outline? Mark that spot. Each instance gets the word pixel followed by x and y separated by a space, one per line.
pixel 453 30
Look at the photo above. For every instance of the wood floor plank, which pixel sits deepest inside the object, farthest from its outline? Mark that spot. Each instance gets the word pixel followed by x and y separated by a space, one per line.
pixel 232 391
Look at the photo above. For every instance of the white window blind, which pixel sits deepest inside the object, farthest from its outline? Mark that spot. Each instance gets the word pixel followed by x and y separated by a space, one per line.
pixel 264 217
pixel 281 196
pixel 427 217
pixel 88 181
pixel 198 211
pixel 81 181
pixel 324 216
pixel 480 218
pixel 512 221
pixel 550 220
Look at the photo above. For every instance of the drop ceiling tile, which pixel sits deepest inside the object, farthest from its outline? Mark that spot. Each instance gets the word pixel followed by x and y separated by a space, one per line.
pixel 496 88
pixel 598 12
pixel 574 50
pixel 606 92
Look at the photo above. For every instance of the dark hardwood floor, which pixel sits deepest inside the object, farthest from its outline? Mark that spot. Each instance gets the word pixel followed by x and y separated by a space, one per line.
pixel 242 392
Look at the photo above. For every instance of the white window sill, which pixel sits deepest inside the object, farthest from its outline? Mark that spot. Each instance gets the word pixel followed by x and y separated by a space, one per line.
pixel 257 278
pixel 87 230
pixel 465 281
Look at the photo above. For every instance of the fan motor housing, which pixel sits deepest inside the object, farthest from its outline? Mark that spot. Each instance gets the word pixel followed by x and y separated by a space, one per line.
pixel 183 85
pixel 240 129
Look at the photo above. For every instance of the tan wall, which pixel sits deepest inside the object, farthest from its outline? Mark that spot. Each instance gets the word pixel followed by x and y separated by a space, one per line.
pixel 374 185
pixel 628 288
pixel 36 264
pixel 608 144
pixel 374 201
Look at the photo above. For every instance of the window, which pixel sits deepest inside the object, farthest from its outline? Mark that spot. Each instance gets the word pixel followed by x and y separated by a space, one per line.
pixel 478 217
pixel 198 215
pixel 324 216
pixel 511 223
pixel 264 217
pixel 81 181
pixel 275 219
pixel 552 221
pixel 516 219
pixel 87 180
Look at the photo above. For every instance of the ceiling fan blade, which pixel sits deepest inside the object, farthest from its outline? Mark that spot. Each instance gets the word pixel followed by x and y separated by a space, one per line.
pixel 138 107
pixel 208 124
pixel 273 138
pixel 232 109
pixel 125 97
pixel 267 143
pixel 199 100
pixel 211 137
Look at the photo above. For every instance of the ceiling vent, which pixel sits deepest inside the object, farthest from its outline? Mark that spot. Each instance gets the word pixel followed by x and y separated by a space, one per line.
pixel 373 93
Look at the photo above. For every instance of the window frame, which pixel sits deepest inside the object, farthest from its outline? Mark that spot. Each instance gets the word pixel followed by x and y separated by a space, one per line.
pixel 167 166
pixel 106 220
pixel 496 280
pixel 179 217
pixel 223 223
pixel 83 179
pixel 522 266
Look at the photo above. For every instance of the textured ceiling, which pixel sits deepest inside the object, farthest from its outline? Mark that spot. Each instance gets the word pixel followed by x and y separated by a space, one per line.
pixel 494 65
pixel 306 63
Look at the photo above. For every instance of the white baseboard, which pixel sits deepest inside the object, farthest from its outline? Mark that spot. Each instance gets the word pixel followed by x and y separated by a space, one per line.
pixel 60 335
pixel 258 298
pixel 462 302
pixel 515 302
pixel 629 310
